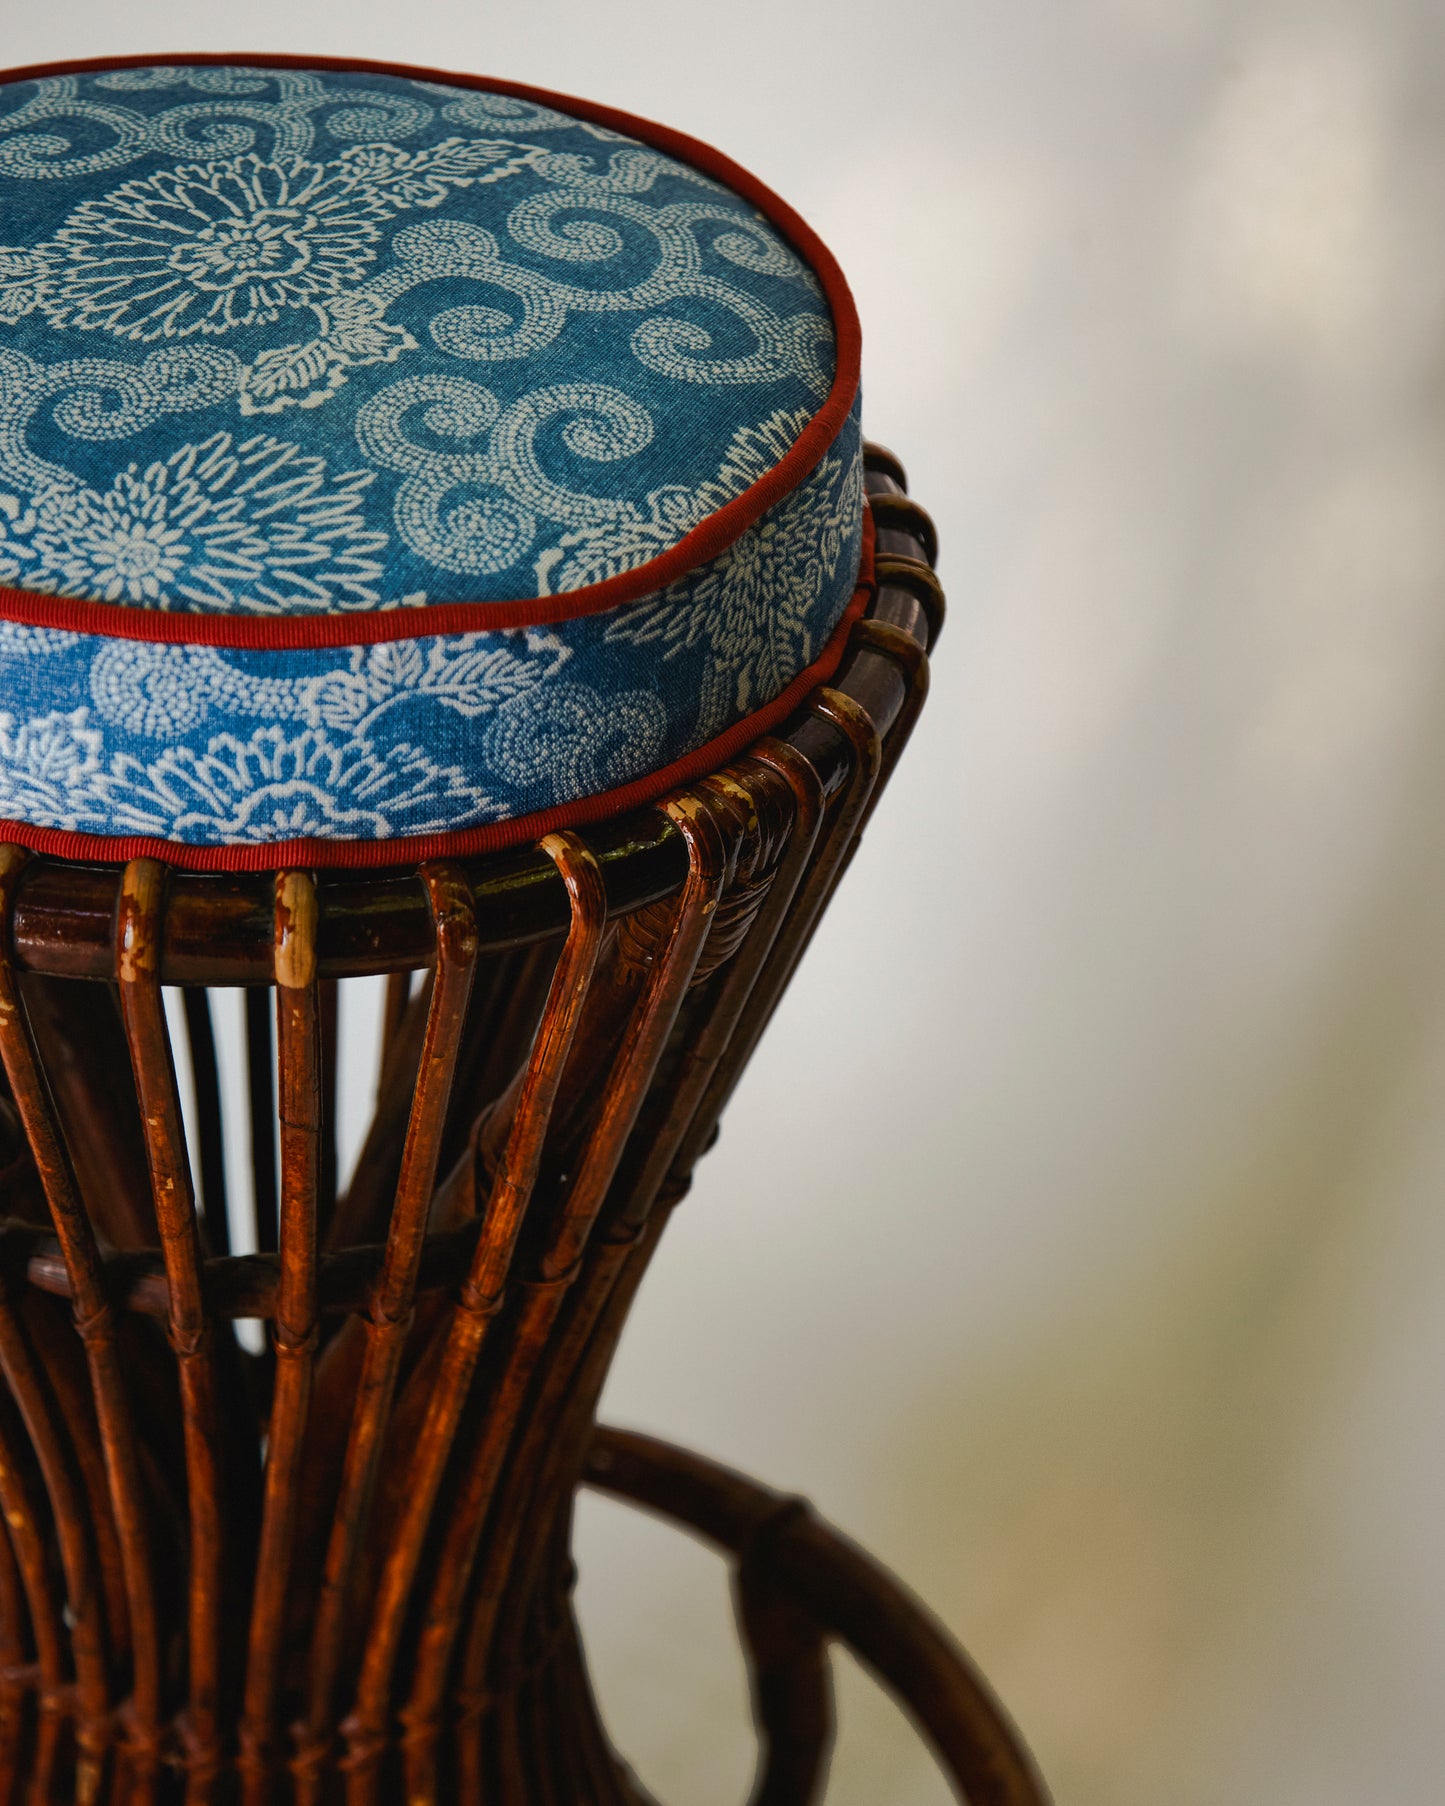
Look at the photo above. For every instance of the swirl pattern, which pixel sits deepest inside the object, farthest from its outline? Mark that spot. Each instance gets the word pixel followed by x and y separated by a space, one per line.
pixel 281 343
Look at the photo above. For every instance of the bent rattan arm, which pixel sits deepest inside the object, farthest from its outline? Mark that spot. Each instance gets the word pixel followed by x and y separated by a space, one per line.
pixel 780 1544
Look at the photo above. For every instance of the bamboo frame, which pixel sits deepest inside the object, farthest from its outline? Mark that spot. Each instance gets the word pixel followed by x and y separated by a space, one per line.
pixel 339 1571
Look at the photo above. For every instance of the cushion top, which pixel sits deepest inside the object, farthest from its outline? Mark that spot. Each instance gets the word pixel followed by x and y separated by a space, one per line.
pixel 395 465
pixel 280 340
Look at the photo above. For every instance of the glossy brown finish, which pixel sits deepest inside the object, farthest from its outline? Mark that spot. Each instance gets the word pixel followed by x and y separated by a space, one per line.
pixel 218 928
pixel 900 514
pixel 338 1573
pixel 34 1399
pixel 137 964
pixel 479 1298
pixel 294 1324
pixel 95 1324
pixel 389 1317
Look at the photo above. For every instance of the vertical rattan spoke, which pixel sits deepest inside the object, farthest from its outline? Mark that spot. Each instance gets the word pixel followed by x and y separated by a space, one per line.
pixel 294 1330
pixel 138 961
pixel 747 977
pixel 14 1679
pixel 68 1514
pixel 480 1297
pixel 897 644
pixel 651 1021
pixel 841 827
pixel 328 1006
pixel 681 1135
pixel 390 1313
pixel 573 1382
pixel 27 1538
pixel 566 1397
pixel 95 1324
pixel 672 969
pixel 263 1121
pixel 205 1077
pixel 362 1213
pixel 393 1009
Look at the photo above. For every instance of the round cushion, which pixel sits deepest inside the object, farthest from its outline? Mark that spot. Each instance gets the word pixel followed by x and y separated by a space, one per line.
pixel 394 463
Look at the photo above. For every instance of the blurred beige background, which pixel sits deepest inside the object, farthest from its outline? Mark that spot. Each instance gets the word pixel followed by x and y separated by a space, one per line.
pixel 1076 1240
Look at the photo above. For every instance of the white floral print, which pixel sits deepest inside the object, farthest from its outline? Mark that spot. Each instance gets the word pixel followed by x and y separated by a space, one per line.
pixel 254 526
pixel 274 786
pixel 49 769
pixel 280 343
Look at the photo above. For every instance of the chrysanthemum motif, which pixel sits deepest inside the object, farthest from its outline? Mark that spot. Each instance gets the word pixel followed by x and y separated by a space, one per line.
pixel 49 768
pixel 210 248
pixel 114 547
pixel 257 527
pixel 279 786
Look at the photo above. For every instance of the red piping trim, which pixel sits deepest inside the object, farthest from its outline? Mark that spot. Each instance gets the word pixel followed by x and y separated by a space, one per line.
pixel 704 542
pixel 493 837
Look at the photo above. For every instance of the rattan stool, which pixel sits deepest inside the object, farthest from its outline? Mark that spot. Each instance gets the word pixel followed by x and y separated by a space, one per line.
pixel 339 1569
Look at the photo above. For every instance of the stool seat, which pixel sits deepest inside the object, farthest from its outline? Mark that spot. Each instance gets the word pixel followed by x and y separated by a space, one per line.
pixel 396 464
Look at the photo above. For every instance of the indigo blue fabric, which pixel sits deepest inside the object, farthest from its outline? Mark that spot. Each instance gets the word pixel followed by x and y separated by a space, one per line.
pixel 306 343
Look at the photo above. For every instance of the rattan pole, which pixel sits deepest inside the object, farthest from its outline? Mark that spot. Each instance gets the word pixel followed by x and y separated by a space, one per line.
pixel 200 1035
pixel 362 1214
pixel 873 763
pixel 899 645
pixel 41 1780
pixel 16 1673
pixel 61 1356
pixel 294 1328
pixel 917 581
pixel 845 815
pixel 807 789
pixel 27 1538
pixel 560 1728
pixel 710 1040
pixel 390 1313
pixel 70 1518
pixel 575 1378
pixel 599 1763
pixel 328 1008
pixel 712 849
pixel 634 1239
pixel 479 1300
pixel 138 955
pixel 262 1106
pixel 95 1323
pixel 651 1021
pixel 896 513
pixel 552 1448
pixel 398 992
pixel 709 854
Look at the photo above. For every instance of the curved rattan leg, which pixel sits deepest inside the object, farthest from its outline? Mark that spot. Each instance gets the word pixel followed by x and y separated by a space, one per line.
pixel 791 1684
pixel 846 1595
